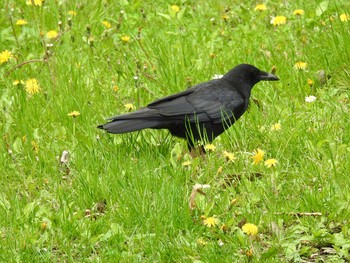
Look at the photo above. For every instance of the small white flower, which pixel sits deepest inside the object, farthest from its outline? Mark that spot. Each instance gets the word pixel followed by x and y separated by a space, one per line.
pixel 201 186
pixel 310 98
pixel 136 77
pixel 217 76
pixel 64 157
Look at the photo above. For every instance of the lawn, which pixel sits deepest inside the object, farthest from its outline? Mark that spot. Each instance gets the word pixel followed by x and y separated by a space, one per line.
pixel 274 187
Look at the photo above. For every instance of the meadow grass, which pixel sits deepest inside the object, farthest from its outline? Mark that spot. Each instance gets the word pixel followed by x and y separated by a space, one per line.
pixel 127 198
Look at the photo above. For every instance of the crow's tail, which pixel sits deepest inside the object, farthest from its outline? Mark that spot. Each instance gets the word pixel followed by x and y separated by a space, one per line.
pixel 135 121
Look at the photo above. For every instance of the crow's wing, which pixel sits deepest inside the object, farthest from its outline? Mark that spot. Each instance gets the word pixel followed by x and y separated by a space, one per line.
pixel 176 104
pixel 213 101
pixel 219 108
pixel 166 106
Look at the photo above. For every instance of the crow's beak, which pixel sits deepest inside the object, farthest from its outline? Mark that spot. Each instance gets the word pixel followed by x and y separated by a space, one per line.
pixel 267 76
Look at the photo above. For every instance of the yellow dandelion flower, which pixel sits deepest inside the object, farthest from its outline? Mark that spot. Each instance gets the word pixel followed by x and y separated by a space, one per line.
pixel 175 8
pixel 52 34
pixel 310 82
pixel 260 7
pixel 344 17
pixel 43 226
pixel 276 127
pixel 5 56
pixel 229 156
pixel 187 163
pixel 298 12
pixel 300 65
pixel 35 146
pixel 250 229
pixel 129 106
pixel 38 2
pixel 115 88
pixel 72 13
pixel 219 171
pixel 17 82
pixel 107 24
pixel 201 241
pixel 233 201
pixel 224 16
pixel 73 114
pixel 258 156
pixel 32 86
pixel 125 39
pixel 249 252
pixel 210 147
pixel 210 221
pixel 21 22
pixel 35 2
pixel 270 163
pixel 279 20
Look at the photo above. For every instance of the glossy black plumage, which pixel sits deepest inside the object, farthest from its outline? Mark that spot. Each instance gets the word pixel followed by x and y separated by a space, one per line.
pixel 201 112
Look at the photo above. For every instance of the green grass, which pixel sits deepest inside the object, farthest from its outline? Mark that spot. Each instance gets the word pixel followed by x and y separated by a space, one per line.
pixel 49 212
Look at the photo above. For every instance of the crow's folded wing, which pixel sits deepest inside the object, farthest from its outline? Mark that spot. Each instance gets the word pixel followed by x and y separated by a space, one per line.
pixel 219 110
pixel 205 102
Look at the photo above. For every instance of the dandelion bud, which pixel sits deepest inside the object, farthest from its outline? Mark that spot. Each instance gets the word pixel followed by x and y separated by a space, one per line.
pixel 88 30
pixel 60 25
pixel 91 41
pixel 70 22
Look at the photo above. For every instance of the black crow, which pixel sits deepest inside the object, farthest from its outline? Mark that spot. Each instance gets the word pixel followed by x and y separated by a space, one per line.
pixel 201 112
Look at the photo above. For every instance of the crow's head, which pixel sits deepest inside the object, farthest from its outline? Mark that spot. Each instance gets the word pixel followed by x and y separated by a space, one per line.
pixel 247 76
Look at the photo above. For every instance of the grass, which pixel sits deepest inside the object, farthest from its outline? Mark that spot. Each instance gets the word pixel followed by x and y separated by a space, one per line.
pixel 126 197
